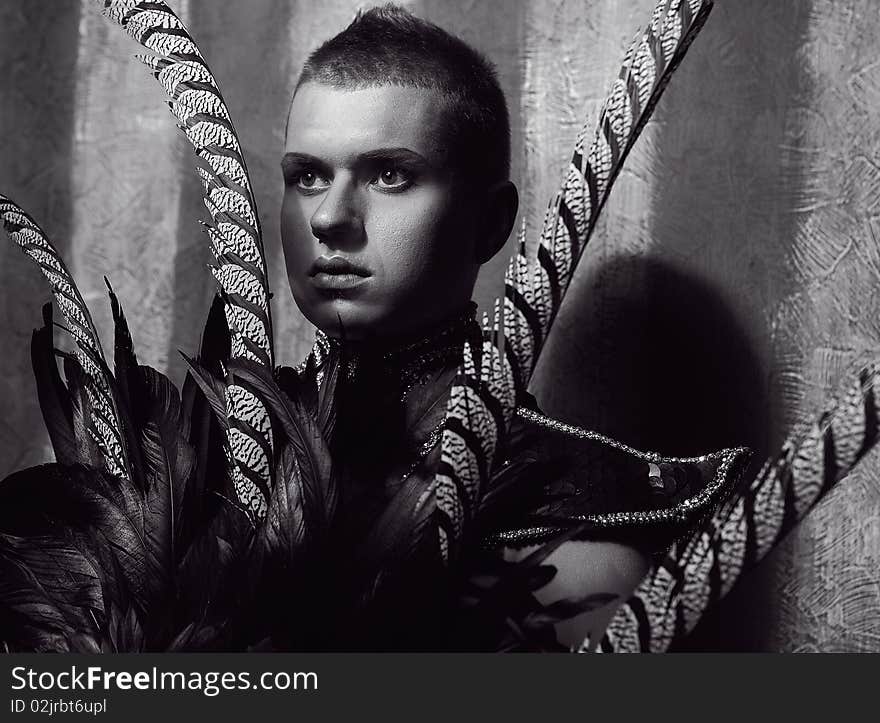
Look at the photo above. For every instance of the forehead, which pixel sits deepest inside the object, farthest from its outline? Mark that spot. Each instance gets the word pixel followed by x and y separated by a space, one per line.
pixel 334 123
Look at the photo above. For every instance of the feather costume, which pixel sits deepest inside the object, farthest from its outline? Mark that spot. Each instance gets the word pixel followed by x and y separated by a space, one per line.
pixel 218 518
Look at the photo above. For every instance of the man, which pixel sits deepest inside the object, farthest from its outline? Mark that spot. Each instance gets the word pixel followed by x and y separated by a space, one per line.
pixel 397 190
pixel 396 206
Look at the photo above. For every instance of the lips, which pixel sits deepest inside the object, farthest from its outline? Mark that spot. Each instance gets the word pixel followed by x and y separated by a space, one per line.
pixel 337 273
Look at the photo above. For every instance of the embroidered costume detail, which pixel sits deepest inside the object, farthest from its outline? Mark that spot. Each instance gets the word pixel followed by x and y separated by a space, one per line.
pixel 694 499
pixel 409 360
pixel 234 230
pixel 699 571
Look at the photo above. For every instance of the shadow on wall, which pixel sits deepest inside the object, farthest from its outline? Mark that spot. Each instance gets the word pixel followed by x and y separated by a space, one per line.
pixel 750 173
pixel 678 375
pixel 664 339
pixel 670 343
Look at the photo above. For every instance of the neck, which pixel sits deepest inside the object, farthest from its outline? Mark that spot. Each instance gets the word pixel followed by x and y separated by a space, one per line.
pixel 403 360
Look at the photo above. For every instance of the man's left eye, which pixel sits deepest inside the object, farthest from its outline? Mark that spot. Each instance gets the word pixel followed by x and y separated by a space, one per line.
pixel 392 179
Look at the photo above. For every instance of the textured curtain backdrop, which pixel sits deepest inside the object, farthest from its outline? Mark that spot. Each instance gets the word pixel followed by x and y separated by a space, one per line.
pixel 729 289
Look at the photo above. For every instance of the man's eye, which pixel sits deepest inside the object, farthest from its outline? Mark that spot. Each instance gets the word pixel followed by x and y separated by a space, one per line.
pixel 393 179
pixel 311 182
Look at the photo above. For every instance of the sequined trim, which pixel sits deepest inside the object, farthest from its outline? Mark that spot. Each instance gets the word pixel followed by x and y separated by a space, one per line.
pixel 426 447
pixel 539 419
pixel 414 362
pixel 676 514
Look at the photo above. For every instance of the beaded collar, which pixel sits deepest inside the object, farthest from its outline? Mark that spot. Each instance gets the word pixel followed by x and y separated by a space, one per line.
pixel 403 362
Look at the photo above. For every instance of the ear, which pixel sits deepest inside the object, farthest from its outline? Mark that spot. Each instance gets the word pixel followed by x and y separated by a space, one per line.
pixel 496 220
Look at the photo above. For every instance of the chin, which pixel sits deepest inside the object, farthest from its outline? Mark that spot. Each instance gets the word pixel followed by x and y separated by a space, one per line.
pixel 358 321
pixel 362 316
pixel 339 317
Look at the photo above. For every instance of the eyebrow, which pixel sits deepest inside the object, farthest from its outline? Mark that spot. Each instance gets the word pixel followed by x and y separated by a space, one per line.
pixel 396 155
pixel 291 161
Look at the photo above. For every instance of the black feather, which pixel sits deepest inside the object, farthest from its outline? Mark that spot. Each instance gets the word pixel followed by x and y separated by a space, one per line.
pixel 404 525
pixel 326 405
pixel 283 531
pixel 203 426
pixel 168 462
pixel 101 514
pixel 88 452
pixel 53 395
pixel 124 378
pixel 212 387
pixel 124 359
pixel 215 345
pixel 47 588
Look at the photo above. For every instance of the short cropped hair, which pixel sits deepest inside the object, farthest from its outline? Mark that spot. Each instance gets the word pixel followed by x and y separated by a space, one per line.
pixel 388 45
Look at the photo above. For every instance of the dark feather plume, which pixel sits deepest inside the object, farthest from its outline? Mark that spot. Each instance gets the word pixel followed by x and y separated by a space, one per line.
pixel 47 588
pixel 54 397
pixel 168 461
pixel 203 427
pixel 302 430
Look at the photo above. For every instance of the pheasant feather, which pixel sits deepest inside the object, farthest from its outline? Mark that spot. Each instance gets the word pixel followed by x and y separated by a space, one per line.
pixel 484 396
pixel 534 289
pixel 481 404
pixel 234 230
pixel 672 598
pixel 103 422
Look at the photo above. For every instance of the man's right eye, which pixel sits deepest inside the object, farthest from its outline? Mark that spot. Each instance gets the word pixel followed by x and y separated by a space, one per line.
pixel 310 182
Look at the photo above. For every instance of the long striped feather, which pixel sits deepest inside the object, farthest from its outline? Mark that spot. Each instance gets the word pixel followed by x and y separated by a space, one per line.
pixel 675 594
pixel 484 395
pixel 234 230
pixel 535 288
pixel 103 419
pixel 481 404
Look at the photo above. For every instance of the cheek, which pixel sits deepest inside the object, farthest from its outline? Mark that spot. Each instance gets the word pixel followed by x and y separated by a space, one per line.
pixel 423 244
pixel 296 233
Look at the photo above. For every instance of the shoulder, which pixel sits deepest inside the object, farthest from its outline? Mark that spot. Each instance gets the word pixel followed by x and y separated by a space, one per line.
pixel 600 575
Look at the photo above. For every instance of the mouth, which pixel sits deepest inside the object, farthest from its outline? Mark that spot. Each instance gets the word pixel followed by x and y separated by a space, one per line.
pixel 337 273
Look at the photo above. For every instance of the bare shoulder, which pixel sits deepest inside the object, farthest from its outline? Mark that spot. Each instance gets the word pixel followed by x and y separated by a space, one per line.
pixel 588 568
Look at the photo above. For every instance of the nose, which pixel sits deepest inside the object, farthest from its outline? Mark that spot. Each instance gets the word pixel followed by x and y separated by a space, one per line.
pixel 337 221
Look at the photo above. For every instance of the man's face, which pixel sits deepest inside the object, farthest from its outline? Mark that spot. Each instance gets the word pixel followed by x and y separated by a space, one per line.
pixel 377 238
